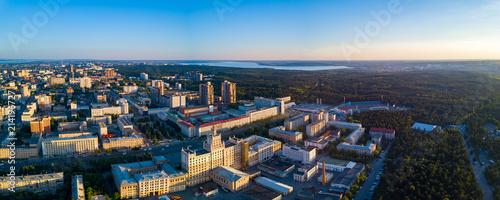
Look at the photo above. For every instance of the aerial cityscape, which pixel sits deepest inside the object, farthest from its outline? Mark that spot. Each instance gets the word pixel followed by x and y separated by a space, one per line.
pixel 250 100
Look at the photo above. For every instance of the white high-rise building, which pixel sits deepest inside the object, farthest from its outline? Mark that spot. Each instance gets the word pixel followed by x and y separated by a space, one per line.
pixel 144 76
pixel 177 101
pixel 86 82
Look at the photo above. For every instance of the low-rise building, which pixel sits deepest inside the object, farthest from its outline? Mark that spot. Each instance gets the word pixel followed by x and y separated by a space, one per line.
pixel 123 142
pixel 348 177
pixel 332 164
pixel 368 150
pixel 288 136
pixel 258 192
pixel 354 137
pixel 388 134
pixel 306 173
pixel 232 179
pixel 277 167
pixel 423 127
pixel 344 125
pixel 318 143
pixel 33 183
pixel 273 185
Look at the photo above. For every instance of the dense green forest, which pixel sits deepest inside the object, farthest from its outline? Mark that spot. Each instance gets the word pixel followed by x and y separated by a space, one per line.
pixel 422 165
pixel 435 96
pixel 428 166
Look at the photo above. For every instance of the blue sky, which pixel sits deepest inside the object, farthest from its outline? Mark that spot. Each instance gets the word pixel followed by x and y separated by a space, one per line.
pixel 251 29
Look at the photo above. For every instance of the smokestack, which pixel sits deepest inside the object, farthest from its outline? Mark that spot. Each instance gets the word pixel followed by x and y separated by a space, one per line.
pixel 324 174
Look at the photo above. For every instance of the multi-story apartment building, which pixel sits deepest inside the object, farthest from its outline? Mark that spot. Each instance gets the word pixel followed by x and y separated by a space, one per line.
pixel 206 93
pixel 228 92
pixel 130 88
pixel 33 183
pixel 110 73
pixel 25 91
pixel 86 82
pixel 296 122
pixel 299 153
pixel 316 128
pixel 176 101
pixel 40 125
pixel 77 189
pixel 64 146
pixel 144 76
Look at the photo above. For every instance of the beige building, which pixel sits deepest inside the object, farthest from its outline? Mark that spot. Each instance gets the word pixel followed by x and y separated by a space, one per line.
pixel 232 153
pixel 54 81
pixel 316 128
pixel 86 82
pixel 22 152
pixel 64 146
pixel 123 142
pixel 228 92
pixel 143 179
pixel 288 136
pixel 206 94
pixel 236 153
pixel 199 163
pixel 230 178
pixel 34 183
pixel 296 122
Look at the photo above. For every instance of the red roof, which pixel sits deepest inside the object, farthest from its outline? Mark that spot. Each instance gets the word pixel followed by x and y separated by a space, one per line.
pixel 221 121
pixel 332 132
pixel 186 124
pixel 382 130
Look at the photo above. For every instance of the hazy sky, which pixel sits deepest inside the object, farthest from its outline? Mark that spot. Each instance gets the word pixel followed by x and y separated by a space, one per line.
pixel 250 29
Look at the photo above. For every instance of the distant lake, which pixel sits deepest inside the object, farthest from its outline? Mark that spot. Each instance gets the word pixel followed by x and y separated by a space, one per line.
pixel 13 61
pixel 257 65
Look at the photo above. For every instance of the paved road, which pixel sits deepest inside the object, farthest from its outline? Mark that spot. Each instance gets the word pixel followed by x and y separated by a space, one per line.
pixel 478 169
pixel 376 167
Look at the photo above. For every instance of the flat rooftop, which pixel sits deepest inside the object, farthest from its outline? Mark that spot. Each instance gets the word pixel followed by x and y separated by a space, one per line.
pixel 230 173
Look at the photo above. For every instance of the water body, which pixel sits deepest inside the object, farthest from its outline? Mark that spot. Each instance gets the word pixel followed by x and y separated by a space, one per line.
pixel 13 62
pixel 257 65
